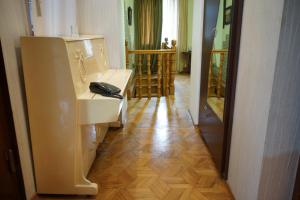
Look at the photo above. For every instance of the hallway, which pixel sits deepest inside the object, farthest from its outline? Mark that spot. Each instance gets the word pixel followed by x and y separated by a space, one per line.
pixel 158 154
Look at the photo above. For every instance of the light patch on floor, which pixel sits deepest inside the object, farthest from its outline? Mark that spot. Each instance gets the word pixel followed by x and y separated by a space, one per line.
pixel 158 154
pixel 217 105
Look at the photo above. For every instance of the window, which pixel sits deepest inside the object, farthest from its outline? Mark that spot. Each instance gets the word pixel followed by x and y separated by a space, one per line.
pixel 170 21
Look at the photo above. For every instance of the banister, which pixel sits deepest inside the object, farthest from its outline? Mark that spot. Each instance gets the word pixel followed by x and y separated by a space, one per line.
pixel 151 82
pixel 159 51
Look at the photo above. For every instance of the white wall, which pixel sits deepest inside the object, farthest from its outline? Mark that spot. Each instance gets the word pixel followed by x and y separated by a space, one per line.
pixel 129 29
pixel 258 51
pixel 58 17
pixel 281 153
pixel 196 59
pixel 67 17
pixel 105 18
pixel 12 26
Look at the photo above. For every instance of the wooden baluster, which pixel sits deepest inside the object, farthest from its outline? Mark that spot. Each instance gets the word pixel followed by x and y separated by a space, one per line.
pixel 127 65
pixel 173 68
pixel 127 56
pixel 167 74
pixel 220 74
pixel 210 75
pixel 172 74
pixel 149 75
pixel 163 70
pixel 140 75
pixel 159 57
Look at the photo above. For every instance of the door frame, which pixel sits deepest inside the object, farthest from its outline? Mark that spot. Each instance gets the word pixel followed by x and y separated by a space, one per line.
pixel 15 158
pixel 233 59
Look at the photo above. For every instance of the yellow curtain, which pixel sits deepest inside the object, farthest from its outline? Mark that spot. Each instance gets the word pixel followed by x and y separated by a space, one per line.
pixel 182 33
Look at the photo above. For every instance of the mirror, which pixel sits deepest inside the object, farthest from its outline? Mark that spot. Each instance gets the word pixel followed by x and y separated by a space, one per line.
pixel 218 61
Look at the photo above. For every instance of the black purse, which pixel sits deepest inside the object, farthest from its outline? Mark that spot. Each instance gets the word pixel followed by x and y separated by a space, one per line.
pixel 105 89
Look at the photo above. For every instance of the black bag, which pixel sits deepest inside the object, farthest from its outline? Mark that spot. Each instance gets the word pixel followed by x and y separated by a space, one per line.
pixel 105 89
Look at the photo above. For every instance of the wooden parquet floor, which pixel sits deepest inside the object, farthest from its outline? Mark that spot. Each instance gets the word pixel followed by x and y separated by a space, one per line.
pixel 158 154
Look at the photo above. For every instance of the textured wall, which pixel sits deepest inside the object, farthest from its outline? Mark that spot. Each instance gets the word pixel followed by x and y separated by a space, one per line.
pixel 258 52
pixel 280 159
pixel 106 18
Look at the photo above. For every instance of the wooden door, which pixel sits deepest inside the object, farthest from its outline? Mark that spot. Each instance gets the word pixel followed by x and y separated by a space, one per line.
pixel 215 131
pixel 11 183
pixel 296 195
pixel 210 125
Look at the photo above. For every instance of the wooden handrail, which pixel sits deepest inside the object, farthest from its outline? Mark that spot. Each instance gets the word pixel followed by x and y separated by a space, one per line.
pixel 219 51
pixel 159 51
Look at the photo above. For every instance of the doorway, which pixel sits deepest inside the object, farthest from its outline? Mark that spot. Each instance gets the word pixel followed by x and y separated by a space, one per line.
pixel 220 50
pixel 157 27
pixel 11 182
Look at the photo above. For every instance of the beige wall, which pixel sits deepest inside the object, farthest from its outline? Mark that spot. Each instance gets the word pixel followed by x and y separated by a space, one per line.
pixel 129 30
pixel 106 18
pixel 13 25
pixel 281 153
pixel 93 17
pixel 58 17
pixel 196 59
pixel 258 52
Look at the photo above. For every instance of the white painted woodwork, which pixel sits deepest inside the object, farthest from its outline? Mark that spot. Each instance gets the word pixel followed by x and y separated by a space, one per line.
pixel 64 116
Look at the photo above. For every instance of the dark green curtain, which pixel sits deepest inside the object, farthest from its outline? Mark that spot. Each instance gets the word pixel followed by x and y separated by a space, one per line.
pixel 148 16
pixel 148 23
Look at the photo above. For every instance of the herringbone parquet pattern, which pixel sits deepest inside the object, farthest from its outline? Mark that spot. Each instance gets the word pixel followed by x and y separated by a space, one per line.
pixel 158 154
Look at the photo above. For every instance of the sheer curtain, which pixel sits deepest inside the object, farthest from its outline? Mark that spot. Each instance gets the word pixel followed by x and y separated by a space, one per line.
pixel 170 20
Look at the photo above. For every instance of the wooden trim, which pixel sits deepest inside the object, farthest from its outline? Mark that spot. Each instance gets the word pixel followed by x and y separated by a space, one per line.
pixel 219 51
pixel 233 61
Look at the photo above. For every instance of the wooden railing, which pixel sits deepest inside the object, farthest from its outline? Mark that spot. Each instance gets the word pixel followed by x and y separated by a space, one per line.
pixel 155 80
pixel 216 83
